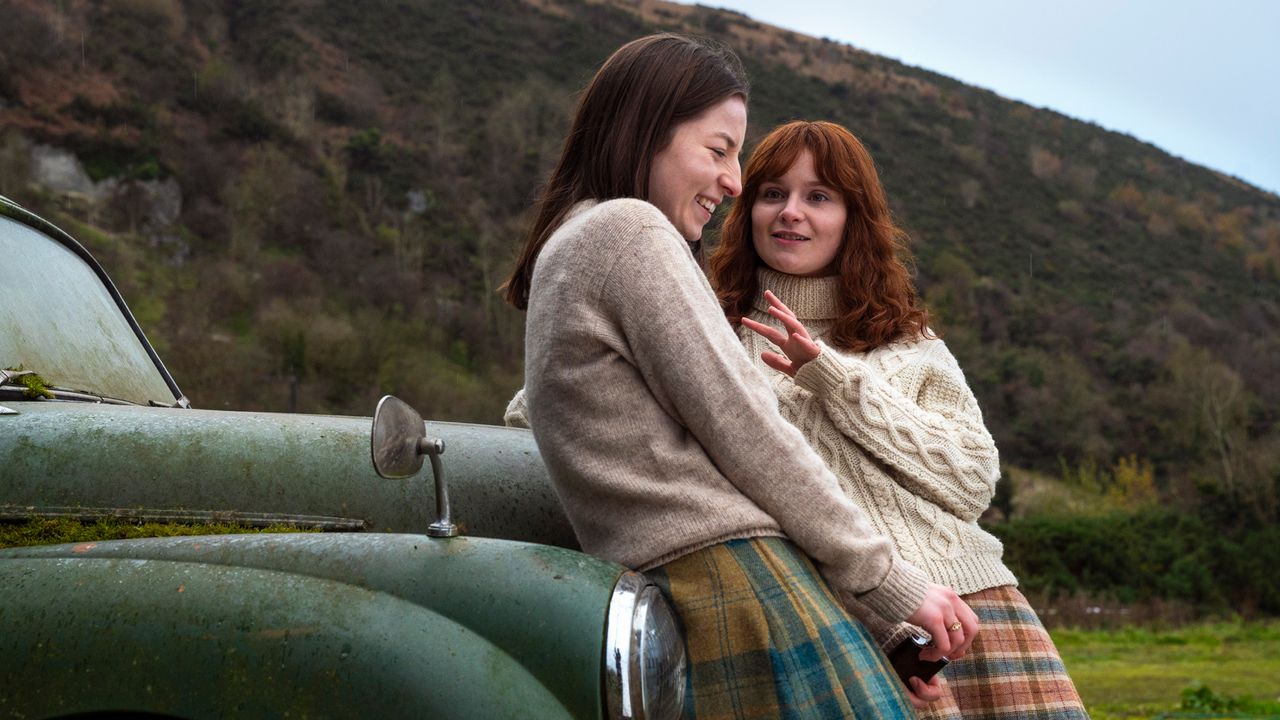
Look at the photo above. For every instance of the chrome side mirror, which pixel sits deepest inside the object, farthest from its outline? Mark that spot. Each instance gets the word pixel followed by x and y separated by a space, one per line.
pixel 397 443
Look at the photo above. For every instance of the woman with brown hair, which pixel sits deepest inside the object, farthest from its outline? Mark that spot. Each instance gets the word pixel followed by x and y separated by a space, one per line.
pixel 810 265
pixel 663 444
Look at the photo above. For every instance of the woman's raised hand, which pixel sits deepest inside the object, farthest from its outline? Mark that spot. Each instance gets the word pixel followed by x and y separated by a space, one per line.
pixel 796 345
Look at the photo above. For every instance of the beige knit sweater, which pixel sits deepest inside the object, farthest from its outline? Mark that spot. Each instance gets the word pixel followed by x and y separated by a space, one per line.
pixel 660 436
pixel 901 430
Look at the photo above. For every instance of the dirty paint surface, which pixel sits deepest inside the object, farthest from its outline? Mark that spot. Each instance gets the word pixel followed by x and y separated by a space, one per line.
pixel 60 318
pixel 44 285
pixel 301 625
pixel 390 624
pixel 289 645
pixel 61 455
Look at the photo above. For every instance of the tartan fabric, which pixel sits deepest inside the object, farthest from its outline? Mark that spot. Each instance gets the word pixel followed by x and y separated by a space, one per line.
pixel 1011 672
pixel 767 639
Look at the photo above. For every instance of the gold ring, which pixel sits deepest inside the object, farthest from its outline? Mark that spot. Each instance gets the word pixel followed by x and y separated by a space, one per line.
pixel 954 626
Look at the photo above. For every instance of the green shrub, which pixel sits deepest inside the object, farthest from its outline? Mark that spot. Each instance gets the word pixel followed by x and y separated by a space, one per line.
pixel 1199 698
pixel 1150 554
pixel 104 157
pixel 247 120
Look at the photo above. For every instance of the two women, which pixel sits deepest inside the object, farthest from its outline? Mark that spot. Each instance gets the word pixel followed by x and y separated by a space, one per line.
pixel 663 442
pixel 809 263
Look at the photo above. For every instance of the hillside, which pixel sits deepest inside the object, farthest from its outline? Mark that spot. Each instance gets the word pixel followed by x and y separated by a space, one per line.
pixel 308 203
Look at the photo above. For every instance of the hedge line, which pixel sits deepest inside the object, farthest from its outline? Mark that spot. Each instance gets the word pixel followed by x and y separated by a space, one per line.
pixel 1153 553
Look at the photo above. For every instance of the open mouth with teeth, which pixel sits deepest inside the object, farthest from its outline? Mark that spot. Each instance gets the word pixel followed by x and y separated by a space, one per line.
pixel 787 236
pixel 707 205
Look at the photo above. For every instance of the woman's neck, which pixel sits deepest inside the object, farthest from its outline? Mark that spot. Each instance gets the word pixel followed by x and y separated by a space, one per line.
pixel 810 298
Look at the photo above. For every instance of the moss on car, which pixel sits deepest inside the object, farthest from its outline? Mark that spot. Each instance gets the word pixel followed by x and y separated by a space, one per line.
pixel 56 531
pixel 33 385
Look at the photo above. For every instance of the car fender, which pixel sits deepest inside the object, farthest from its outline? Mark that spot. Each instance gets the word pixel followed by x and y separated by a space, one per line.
pixel 218 641
pixel 545 607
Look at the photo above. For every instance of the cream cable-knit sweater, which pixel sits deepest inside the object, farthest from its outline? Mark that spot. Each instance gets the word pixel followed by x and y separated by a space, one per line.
pixel 902 432
pixel 660 436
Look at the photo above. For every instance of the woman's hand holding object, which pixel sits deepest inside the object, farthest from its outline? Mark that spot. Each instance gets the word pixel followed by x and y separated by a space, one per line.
pixel 948 620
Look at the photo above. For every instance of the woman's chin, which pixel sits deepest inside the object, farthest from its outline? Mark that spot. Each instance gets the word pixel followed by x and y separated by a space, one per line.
pixel 786 268
pixel 691 234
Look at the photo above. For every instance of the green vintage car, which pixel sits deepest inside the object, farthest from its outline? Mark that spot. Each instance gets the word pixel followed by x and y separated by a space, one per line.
pixel 389 611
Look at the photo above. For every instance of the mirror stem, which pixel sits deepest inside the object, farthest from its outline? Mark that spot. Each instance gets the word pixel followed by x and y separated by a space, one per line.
pixel 443 526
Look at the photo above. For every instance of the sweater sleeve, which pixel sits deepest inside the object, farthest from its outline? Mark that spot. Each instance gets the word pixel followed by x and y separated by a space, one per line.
pixel 937 442
pixel 887 634
pixel 517 414
pixel 689 358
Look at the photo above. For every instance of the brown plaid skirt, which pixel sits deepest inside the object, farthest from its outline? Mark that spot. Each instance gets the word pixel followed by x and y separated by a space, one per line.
pixel 767 639
pixel 1011 672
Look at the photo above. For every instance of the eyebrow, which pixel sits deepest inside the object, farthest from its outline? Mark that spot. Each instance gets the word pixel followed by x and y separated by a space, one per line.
pixel 733 144
pixel 808 186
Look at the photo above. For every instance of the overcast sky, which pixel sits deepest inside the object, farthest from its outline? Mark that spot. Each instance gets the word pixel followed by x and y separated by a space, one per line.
pixel 1199 79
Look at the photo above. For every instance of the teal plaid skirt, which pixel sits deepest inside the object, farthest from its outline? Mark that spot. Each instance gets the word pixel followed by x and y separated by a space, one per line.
pixel 768 639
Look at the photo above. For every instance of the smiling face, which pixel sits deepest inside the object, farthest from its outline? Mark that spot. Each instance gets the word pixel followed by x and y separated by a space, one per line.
pixel 797 222
pixel 699 167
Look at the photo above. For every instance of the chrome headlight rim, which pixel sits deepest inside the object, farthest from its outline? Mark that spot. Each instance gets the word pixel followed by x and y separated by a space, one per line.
pixel 636 606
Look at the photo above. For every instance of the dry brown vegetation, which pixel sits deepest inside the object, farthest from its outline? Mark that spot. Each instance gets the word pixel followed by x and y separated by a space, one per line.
pixel 354 181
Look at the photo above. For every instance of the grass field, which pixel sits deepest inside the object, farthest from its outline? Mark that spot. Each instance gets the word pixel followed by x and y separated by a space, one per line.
pixel 1139 673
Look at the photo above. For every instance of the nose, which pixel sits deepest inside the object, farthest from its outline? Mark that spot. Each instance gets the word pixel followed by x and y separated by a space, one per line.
pixel 791 211
pixel 731 180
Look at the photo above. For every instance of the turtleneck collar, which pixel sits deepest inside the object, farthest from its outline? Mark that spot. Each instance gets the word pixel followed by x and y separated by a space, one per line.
pixel 810 298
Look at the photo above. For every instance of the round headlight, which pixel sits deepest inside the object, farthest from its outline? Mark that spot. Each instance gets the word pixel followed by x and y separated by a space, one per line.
pixel 644 653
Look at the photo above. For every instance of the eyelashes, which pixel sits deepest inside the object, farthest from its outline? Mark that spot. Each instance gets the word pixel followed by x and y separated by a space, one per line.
pixel 816 197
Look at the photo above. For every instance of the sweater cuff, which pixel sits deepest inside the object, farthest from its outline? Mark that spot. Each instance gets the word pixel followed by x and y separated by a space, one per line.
pixel 517 414
pixel 900 594
pixel 895 634
pixel 824 373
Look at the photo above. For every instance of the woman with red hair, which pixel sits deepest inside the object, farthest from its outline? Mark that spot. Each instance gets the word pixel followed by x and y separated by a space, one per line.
pixel 667 461
pixel 811 267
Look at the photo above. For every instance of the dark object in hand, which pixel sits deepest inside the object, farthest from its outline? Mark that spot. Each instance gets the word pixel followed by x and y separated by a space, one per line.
pixel 906 660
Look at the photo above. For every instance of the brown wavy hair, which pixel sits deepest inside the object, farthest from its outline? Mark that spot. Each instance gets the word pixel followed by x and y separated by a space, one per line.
pixel 625 116
pixel 877 301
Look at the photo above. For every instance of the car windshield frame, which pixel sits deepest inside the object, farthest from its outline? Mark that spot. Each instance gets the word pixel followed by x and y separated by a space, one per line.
pixel 137 362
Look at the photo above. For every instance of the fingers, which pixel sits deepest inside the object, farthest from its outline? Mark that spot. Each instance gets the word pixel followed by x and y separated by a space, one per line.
pixel 797 343
pixel 955 644
pixel 917 702
pixel 779 363
pixel 968 620
pixel 941 611
pixel 773 335
pixel 926 692
pixel 922 693
pixel 779 310
pixel 961 627
pixel 809 345
pixel 775 302
pixel 794 326
pixel 794 341
pixel 957 636
pixel 941 640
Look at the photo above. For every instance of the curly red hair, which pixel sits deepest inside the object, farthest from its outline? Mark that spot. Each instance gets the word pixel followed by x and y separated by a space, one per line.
pixel 877 301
